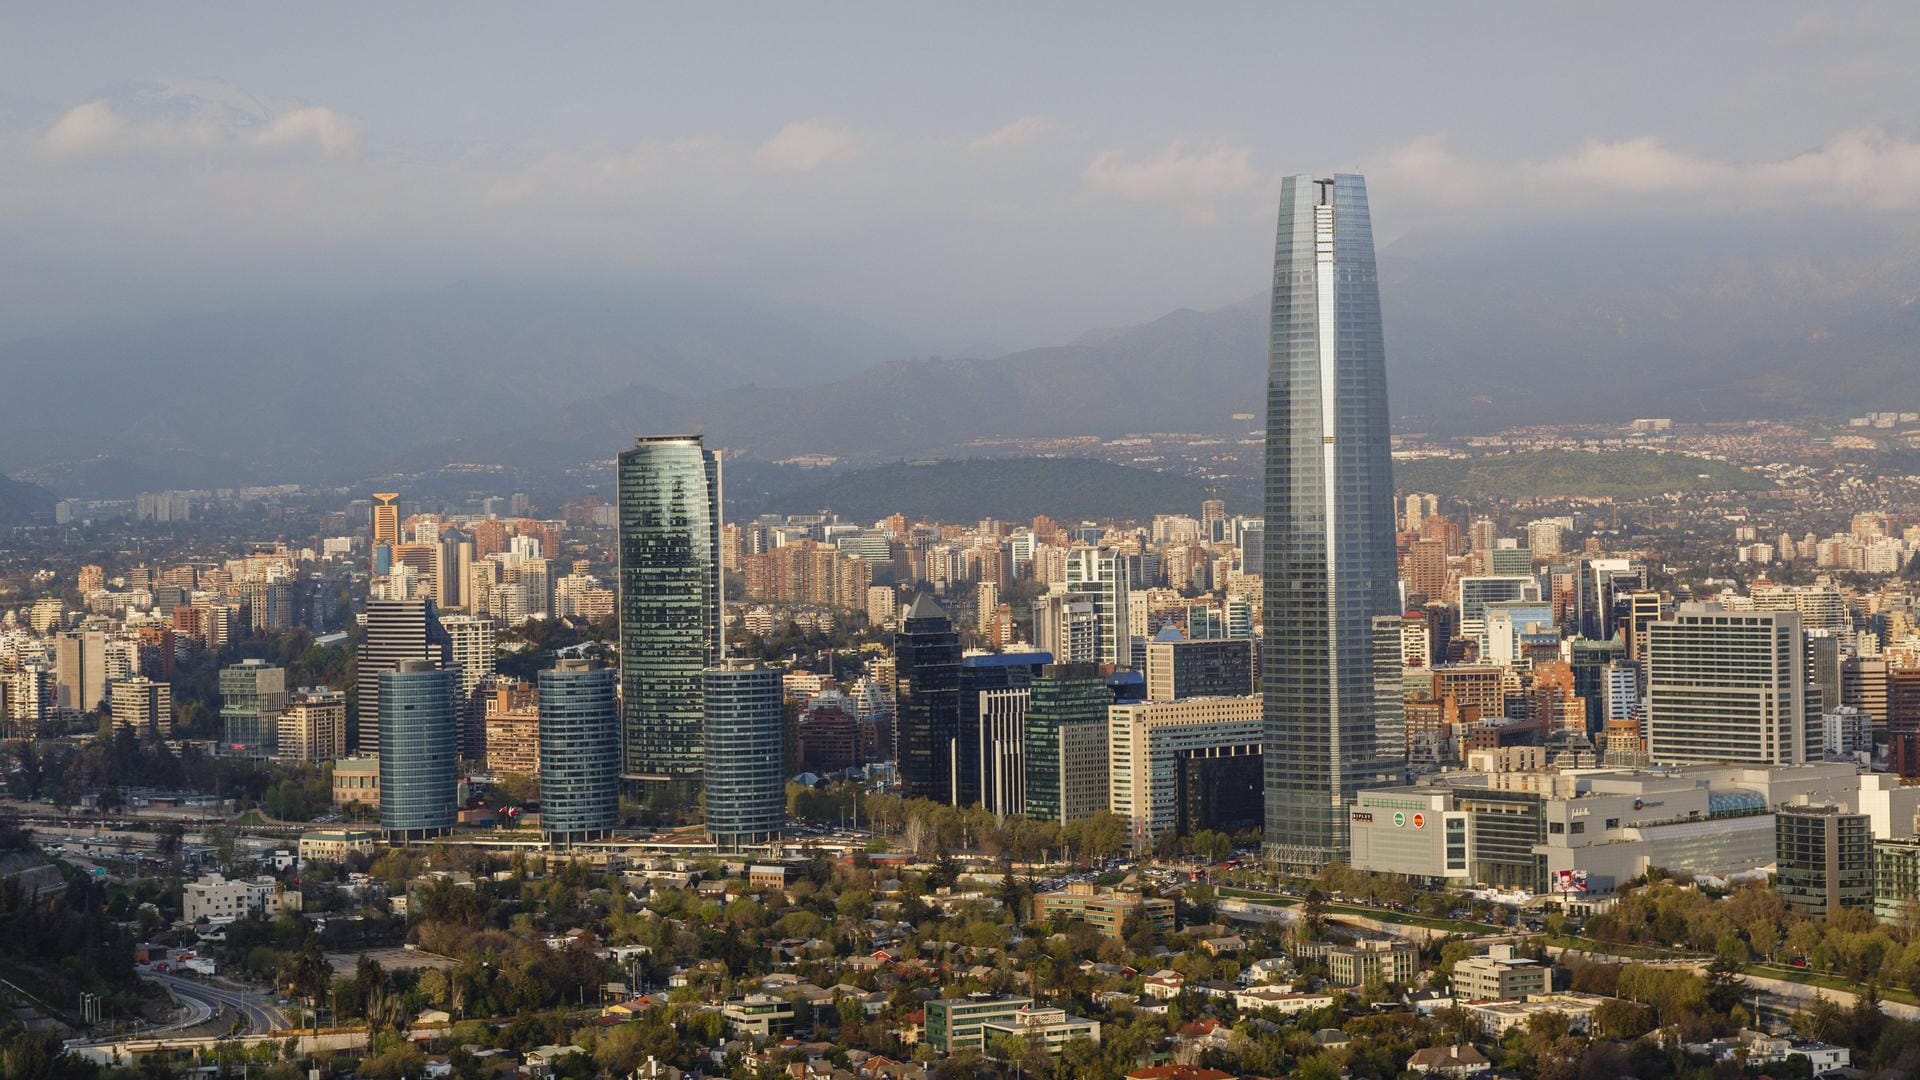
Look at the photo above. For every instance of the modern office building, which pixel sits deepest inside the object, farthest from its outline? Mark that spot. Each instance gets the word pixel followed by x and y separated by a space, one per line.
pixel 1727 686
pixel 1330 556
pixel 1179 667
pixel 1373 959
pixel 1389 687
pixel 252 693
pixel 356 782
pixel 745 747
pixel 144 706
pixel 386 517
pixel 1253 538
pixel 1065 627
pixel 670 596
pixel 398 631
pixel 579 752
pixel 926 654
pixel 1181 766
pixel 80 670
pixel 313 726
pixel 955 1024
pixel 1066 743
pixel 1824 857
pixel 471 647
pixel 1045 1029
pixel 1501 973
pixel 991 740
pixel 419 737
pixel 1098 576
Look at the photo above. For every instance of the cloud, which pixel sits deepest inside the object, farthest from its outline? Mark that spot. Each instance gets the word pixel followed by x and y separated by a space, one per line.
pixel 806 145
pixel 1192 181
pixel 1025 130
pixel 84 129
pixel 1865 168
pixel 96 128
pixel 335 135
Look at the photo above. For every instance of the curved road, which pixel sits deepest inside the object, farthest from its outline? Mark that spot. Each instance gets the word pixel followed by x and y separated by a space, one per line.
pixel 261 1019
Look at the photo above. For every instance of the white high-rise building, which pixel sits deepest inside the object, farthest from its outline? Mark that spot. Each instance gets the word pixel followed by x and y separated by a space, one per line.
pixel 474 652
pixel 1099 576
pixel 1067 627
pixel 1543 536
pixel 1727 686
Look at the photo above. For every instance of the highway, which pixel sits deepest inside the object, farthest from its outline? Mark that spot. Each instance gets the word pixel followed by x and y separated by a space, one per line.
pixel 261 1019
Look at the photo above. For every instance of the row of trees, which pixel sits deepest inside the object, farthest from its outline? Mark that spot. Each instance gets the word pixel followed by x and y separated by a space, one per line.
pixel 925 827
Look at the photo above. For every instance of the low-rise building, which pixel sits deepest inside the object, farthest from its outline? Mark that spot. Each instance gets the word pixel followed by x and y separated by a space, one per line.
pixel 1391 961
pixel 334 845
pixel 1281 999
pixel 958 1023
pixel 356 782
pixel 1896 878
pixel 1500 974
pixel 215 899
pixel 1825 859
pixel 758 1016
pixel 1462 1060
pixel 1046 1028
pixel 1106 910
pixel 1495 1017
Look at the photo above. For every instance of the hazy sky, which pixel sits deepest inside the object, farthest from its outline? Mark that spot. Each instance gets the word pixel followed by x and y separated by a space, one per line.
pixel 958 173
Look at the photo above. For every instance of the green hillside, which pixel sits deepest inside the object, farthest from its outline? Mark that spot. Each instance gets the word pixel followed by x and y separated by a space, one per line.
pixel 1619 474
pixel 1012 489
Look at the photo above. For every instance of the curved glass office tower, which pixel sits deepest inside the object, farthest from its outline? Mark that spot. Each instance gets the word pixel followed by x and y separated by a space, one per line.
pixel 579 752
pixel 669 612
pixel 1329 554
pixel 419 735
pixel 746 765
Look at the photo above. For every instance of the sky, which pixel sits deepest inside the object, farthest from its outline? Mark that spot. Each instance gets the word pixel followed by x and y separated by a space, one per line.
pixel 959 174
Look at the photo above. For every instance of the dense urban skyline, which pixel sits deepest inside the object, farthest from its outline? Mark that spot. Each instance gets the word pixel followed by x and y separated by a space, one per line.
pixel 394 684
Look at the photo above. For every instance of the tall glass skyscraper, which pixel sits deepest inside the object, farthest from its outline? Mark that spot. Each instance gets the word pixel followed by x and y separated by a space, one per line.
pixel 669 612
pixel 1329 554
pixel 397 631
pixel 419 737
pixel 579 752
pixel 746 764
pixel 1068 703
pixel 926 671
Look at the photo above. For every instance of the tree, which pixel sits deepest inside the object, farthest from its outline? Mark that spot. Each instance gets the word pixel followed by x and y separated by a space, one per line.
pixel 1724 984
pixel 1313 915
pixel 307 973
pixel 1616 1019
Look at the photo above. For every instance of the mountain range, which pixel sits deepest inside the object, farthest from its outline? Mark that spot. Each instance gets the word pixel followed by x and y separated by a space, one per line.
pixel 1703 321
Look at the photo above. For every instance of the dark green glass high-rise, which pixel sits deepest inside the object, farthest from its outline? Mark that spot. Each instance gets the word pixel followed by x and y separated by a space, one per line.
pixel 1329 558
pixel 1063 696
pixel 669 612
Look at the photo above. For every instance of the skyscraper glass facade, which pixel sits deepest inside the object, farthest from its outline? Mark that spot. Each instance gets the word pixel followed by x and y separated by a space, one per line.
pixel 419 738
pixel 746 767
pixel 926 654
pixel 1329 544
pixel 1061 696
pixel 252 693
pixel 397 631
pixel 579 752
pixel 669 611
